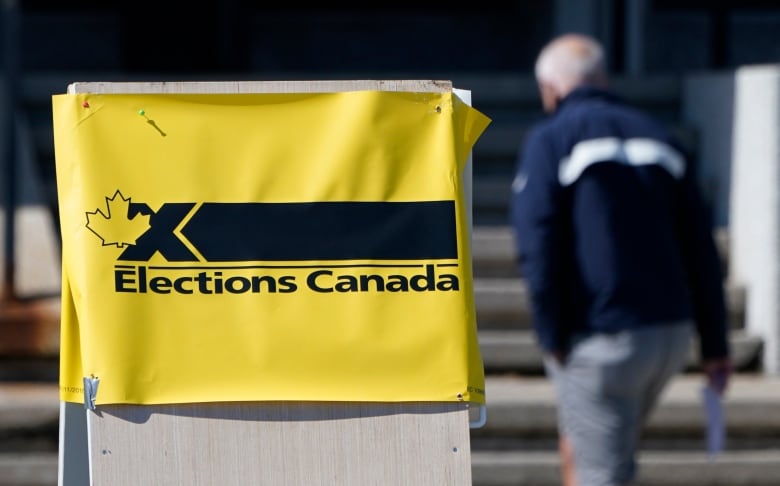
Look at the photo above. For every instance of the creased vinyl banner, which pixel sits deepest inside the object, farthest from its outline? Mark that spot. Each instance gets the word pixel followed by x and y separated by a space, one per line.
pixel 253 247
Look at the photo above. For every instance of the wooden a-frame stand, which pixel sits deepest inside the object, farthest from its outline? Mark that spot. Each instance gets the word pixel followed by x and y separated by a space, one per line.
pixel 266 443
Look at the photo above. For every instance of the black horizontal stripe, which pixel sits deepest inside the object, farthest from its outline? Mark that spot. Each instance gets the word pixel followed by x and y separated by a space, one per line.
pixel 324 231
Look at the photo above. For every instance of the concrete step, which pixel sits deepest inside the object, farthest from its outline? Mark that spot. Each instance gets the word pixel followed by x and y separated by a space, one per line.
pixel 491 193
pixel 517 445
pixel 503 303
pixel 519 409
pixel 517 406
pixel 494 256
pixel 503 350
pixel 740 468
pixel 517 351
pixel 518 468
pixel 28 469
pixel 523 406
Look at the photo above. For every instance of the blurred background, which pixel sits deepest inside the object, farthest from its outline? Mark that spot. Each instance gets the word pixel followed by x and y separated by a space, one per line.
pixel 709 69
pixel 480 47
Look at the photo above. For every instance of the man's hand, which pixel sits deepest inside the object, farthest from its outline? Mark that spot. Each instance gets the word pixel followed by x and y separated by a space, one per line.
pixel 559 356
pixel 718 372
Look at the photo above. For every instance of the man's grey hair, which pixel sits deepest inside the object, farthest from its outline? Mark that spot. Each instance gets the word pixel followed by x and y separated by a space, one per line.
pixel 569 61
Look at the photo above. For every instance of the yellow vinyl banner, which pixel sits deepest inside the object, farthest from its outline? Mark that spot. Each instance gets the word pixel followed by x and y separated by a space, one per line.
pixel 252 247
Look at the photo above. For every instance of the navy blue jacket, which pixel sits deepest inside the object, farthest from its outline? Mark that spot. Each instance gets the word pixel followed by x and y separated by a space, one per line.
pixel 610 230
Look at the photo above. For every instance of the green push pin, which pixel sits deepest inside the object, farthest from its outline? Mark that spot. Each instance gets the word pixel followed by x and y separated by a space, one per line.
pixel 142 113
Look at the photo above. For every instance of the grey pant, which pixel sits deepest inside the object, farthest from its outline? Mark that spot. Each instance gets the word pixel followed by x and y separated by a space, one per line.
pixel 606 390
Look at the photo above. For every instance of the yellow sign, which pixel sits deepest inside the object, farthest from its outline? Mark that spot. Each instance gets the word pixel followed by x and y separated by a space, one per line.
pixel 252 247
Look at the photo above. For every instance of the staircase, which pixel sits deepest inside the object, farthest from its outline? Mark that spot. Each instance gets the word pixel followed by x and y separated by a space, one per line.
pixel 517 445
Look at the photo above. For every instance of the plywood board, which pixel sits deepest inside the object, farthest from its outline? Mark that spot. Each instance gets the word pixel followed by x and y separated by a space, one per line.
pixel 281 443
pixel 274 443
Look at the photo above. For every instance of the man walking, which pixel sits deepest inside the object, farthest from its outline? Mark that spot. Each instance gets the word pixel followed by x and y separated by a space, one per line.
pixel 620 261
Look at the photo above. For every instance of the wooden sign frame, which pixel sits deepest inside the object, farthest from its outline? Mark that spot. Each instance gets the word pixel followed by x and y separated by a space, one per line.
pixel 268 443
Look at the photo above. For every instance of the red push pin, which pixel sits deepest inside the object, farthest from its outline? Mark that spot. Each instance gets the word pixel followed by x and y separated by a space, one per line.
pixel 85 104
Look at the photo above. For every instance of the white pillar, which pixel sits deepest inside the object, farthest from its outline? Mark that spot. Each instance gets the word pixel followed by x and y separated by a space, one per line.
pixel 755 203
